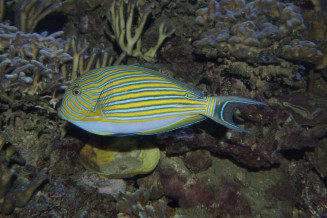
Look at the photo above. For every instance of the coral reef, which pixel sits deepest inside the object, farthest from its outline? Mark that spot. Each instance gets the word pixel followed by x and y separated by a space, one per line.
pixel 254 29
pixel 24 62
pixel 304 51
pixel 39 63
pixel 271 51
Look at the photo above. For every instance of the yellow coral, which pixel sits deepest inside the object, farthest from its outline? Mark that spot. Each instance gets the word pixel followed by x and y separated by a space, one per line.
pixel 121 15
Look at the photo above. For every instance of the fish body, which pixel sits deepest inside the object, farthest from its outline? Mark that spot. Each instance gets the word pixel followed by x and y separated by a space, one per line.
pixel 137 100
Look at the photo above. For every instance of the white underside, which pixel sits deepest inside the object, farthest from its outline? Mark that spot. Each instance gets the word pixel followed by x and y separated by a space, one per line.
pixel 99 127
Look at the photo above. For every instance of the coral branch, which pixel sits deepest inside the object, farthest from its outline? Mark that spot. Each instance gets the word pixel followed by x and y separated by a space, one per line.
pixel 163 34
pixel 121 15
pixel 30 12
pixel 2 9
pixel 23 196
pixel 76 57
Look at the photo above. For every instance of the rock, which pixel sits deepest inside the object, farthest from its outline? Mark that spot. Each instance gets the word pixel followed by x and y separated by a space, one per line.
pixel 119 157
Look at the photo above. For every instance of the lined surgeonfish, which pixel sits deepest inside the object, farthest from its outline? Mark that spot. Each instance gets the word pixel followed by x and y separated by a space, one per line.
pixel 138 100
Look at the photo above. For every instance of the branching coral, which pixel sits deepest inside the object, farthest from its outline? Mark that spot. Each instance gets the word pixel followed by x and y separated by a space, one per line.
pixel 84 60
pixel 39 63
pixel 31 61
pixel 121 17
pixel 30 12
pixel 77 51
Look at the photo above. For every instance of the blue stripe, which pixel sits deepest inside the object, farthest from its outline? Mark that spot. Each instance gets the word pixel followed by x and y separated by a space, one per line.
pixel 111 80
pixel 131 100
pixel 209 107
pixel 72 84
pixel 154 116
pixel 84 95
pixel 148 108
pixel 104 70
pixel 214 107
pixel 85 101
pixel 218 110
pixel 80 79
pixel 68 92
pixel 126 84
pixel 90 117
pixel 73 106
pixel 140 90
pixel 77 101
pixel 92 77
pixel 63 108
pixel 100 77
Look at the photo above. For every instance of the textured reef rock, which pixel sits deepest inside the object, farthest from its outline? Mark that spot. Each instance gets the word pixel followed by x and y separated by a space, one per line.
pixel 261 149
pixel 304 51
pixel 33 128
pixel 252 30
pixel 138 204
pixel 178 183
pixel 189 190
pixel 304 109
pixel 12 199
pixel 198 161
pixel 303 188
pixel 103 184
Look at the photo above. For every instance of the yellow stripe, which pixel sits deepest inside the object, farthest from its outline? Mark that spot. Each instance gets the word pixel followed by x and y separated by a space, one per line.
pixel 135 87
pixel 151 112
pixel 154 102
pixel 141 94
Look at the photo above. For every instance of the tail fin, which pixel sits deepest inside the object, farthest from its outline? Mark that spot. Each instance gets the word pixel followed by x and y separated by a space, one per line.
pixel 221 109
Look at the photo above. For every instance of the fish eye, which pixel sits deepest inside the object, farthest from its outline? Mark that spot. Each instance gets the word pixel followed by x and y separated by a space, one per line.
pixel 77 91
